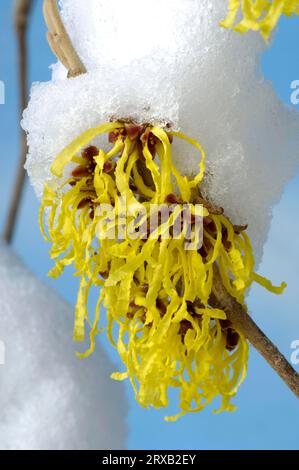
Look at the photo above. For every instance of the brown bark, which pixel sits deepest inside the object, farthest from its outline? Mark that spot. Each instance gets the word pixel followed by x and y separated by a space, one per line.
pixel 244 323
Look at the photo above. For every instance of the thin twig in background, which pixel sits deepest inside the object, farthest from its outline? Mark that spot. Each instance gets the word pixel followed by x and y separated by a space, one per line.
pixel 61 45
pixel 21 17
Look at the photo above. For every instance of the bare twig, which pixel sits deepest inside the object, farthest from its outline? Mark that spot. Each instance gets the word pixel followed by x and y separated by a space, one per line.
pixel 21 15
pixel 61 45
pixel 242 321
pixel 60 42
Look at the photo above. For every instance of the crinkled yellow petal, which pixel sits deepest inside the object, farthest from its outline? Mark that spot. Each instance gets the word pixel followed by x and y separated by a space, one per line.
pixel 258 15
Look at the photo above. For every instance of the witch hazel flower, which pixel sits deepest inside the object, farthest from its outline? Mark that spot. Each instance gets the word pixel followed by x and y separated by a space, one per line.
pixel 258 15
pixel 128 129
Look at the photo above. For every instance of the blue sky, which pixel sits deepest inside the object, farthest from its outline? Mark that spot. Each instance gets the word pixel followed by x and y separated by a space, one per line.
pixel 268 414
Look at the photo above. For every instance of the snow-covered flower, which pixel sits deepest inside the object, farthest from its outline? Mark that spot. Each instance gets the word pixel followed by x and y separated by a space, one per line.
pixel 149 83
pixel 157 292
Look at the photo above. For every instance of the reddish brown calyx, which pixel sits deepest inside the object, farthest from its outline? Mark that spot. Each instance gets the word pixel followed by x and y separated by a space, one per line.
pixel 109 167
pixel 232 337
pixel 171 199
pixel 240 228
pixel 133 131
pixel 140 134
pixel 161 306
pixel 104 274
pixel 114 136
pixel 89 153
pixel 87 169
pixel 185 326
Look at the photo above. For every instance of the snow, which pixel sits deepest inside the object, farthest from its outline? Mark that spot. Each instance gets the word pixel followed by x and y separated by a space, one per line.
pixel 49 399
pixel 168 61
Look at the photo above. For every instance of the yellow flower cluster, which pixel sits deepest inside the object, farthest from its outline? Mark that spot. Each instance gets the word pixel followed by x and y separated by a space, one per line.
pixel 258 15
pixel 157 294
